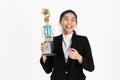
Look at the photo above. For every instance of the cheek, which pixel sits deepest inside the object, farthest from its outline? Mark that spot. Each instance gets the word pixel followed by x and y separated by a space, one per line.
pixel 75 24
pixel 63 24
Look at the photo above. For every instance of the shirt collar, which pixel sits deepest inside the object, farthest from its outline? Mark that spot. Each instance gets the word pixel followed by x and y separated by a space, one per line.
pixel 67 37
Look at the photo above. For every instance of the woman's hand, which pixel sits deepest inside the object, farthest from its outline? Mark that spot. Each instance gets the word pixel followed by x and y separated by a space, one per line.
pixel 43 48
pixel 73 54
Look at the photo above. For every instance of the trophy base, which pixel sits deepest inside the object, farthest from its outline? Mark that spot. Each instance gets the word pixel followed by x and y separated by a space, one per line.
pixel 49 54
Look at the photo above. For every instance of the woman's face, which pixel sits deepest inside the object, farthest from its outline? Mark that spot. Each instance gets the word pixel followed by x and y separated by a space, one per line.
pixel 68 22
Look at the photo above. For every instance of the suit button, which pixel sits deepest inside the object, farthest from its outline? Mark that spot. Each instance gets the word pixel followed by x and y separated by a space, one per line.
pixel 66 72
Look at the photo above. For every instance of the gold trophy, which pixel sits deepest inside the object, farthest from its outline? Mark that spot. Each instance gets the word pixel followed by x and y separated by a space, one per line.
pixel 47 34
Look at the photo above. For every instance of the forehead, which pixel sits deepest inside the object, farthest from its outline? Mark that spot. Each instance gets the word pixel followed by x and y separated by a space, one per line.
pixel 69 15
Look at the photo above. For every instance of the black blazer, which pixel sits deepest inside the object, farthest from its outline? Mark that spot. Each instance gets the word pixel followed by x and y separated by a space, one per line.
pixel 72 70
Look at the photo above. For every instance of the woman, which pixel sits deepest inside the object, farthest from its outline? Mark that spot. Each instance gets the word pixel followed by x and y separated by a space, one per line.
pixel 73 52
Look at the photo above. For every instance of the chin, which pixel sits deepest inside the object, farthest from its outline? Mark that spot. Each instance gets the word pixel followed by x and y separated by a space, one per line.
pixel 68 32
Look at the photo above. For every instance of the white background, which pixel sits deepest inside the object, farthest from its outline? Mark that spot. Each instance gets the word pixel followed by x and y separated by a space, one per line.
pixel 20 36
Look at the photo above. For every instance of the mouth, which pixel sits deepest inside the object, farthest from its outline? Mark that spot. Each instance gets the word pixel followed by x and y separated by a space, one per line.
pixel 69 26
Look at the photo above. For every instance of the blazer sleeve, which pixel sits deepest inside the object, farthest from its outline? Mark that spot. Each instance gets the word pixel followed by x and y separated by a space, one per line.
pixel 47 66
pixel 87 63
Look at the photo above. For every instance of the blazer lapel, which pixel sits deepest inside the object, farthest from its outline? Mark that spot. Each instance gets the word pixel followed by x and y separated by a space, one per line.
pixel 73 45
pixel 61 54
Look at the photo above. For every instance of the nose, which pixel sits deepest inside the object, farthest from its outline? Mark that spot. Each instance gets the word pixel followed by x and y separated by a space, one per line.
pixel 69 21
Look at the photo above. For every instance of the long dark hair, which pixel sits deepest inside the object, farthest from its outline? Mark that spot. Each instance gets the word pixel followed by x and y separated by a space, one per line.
pixel 68 11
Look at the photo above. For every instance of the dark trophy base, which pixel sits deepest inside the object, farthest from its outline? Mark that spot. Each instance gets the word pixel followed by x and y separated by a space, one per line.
pixel 49 49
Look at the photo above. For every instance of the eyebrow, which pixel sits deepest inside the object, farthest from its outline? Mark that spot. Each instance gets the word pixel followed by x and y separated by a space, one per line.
pixel 67 17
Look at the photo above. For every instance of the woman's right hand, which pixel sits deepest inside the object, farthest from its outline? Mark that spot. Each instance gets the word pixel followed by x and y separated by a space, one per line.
pixel 43 48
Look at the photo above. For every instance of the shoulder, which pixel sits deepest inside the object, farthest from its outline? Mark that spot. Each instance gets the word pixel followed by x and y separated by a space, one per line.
pixel 81 37
pixel 59 37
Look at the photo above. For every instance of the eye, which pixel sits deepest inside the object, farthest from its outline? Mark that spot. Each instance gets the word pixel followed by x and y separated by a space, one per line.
pixel 73 20
pixel 65 18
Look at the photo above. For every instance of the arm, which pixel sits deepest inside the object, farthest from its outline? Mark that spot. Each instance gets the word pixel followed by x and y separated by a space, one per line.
pixel 47 63
pixel 87 59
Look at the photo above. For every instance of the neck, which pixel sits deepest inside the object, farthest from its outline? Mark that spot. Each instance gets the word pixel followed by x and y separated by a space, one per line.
pixel 65 33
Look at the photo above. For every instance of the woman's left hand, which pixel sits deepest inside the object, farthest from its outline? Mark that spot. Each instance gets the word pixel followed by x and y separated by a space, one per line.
pixel 73 54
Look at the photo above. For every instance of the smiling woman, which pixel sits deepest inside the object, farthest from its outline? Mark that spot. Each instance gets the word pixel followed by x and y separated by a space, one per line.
pixel 73 52
pixel 68 22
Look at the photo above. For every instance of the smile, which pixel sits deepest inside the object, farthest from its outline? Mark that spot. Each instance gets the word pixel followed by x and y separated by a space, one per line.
pixel 68 26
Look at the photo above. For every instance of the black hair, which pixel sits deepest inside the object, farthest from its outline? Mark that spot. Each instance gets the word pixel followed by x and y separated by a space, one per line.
pixel 68 11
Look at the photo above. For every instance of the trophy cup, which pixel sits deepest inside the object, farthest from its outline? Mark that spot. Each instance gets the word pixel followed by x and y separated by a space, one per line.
pixel 47 34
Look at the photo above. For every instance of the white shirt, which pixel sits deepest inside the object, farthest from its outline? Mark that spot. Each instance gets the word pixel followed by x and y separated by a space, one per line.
pixel 66 44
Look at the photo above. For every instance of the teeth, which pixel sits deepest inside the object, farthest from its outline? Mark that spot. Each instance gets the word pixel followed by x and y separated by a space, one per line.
pixel 69 26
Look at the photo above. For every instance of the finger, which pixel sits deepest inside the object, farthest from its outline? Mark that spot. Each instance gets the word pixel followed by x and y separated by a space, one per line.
pixel 72 49
pixel 71 54
pixel 42 50
pixel 42 43
pixel 42 47
pixel 45 46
